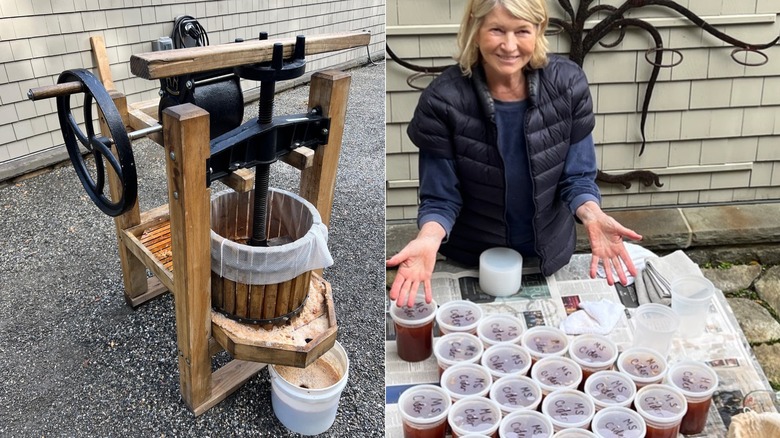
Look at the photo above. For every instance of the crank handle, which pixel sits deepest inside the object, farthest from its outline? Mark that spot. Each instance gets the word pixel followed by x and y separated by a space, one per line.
pixel 49 91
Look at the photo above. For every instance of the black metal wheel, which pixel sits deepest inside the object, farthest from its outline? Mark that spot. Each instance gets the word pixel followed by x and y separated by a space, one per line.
pixel 99 146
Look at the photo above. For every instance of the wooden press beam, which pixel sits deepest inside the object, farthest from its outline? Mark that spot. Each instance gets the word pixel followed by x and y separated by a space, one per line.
pixel 168 63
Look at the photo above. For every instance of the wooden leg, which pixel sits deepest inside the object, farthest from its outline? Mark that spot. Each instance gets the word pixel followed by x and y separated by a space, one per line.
pixel 133 270
pixel 330 91
pixel 186 135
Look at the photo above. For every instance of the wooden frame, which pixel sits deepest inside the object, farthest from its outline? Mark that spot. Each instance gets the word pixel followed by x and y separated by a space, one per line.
pixel 185 138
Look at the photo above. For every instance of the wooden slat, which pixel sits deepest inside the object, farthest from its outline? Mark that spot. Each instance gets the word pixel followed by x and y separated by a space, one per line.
pixel 242 180
pixel 168 63
pixel 148 107
pixel 131 242
pixel 154 289
pixel 226 380
pixel 299 158
pixel 102 64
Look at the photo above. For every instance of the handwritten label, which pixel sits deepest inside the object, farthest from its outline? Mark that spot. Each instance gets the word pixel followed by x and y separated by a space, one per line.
pixel 648 367
pixel 461 317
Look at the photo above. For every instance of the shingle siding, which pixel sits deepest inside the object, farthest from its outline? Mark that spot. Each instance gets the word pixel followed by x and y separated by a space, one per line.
pixel 40 39
pixel 713 131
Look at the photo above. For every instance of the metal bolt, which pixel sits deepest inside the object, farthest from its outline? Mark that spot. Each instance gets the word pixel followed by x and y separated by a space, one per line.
pixel 188 84
pixel 297 144
pixel 324 131
pixel 175 195
pixel 314 111
pixel 173 156
pixel 161 92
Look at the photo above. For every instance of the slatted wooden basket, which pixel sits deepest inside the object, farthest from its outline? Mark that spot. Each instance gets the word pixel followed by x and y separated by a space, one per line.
pixel 240 297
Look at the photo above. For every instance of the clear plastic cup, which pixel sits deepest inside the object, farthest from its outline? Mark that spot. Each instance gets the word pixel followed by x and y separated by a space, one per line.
pixel 610 389
pixel 691 296
pixel 552 373
pixel 663 408
pixel 497 328
pixel 505 359
pixel 618 422
pixel 424 410
pixel 474 414
pixel 514 393
pixel 568 408
pixel 643 365
pixel 464 379
pixel 454 348
pixel 543 341
pixel 458 316
pixel 593 353
pixel 655 326
pixel 414 330
pixel 574 433
pixel 525 423
pixel 697 382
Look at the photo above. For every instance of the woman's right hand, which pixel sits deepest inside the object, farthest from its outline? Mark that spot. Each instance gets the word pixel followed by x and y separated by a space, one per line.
pixel 415 265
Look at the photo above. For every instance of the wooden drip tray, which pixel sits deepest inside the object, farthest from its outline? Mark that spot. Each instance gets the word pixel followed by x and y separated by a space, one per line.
pixel 157 239
pixel 298 343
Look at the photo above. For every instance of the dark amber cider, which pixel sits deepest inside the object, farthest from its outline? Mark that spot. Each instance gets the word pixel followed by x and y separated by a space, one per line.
pixel 438 431
pixel 414 343
pixel 696 418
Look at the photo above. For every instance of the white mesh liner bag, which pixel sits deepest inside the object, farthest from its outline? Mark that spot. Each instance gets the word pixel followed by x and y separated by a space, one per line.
pixel 307 250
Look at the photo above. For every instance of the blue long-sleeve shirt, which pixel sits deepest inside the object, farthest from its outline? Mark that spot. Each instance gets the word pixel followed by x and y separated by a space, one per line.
pixel 440 198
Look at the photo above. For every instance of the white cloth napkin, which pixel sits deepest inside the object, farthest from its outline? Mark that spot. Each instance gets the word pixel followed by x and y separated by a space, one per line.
pixel 596 317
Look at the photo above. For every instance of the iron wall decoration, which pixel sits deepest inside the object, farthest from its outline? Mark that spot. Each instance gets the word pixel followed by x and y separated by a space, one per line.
pixel 615 20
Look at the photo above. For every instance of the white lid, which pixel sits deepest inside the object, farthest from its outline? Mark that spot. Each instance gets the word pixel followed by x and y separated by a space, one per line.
pixel 463 420
pixel 457 347
pixel 696 380
pixel 543 341
pixel 466 379
pixel 644 365
pixel 424 404
pixel 420 314
pixel 516 392
pixel 574 433
pixel 458 316
pixel 593 351
pixel 497 328
pixel 610 388
pixel 556 372
pixel 568 408
pixel 661 404
pixel 505 359
pixel 519 423
pixel 618 422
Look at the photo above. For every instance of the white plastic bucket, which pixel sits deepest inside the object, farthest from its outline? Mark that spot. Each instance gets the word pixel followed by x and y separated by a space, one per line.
pixel 309 411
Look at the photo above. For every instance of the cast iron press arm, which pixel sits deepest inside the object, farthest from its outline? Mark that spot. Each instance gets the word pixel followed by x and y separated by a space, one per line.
pixel 260 143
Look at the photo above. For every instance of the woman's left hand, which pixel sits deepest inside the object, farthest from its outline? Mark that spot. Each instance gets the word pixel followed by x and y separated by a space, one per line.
pixel 606 242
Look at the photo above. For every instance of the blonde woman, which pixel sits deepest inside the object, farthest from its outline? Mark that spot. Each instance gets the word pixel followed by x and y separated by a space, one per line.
pixel 506 154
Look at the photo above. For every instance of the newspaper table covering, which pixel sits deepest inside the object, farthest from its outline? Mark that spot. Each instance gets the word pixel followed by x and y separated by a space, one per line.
pixel 547 301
